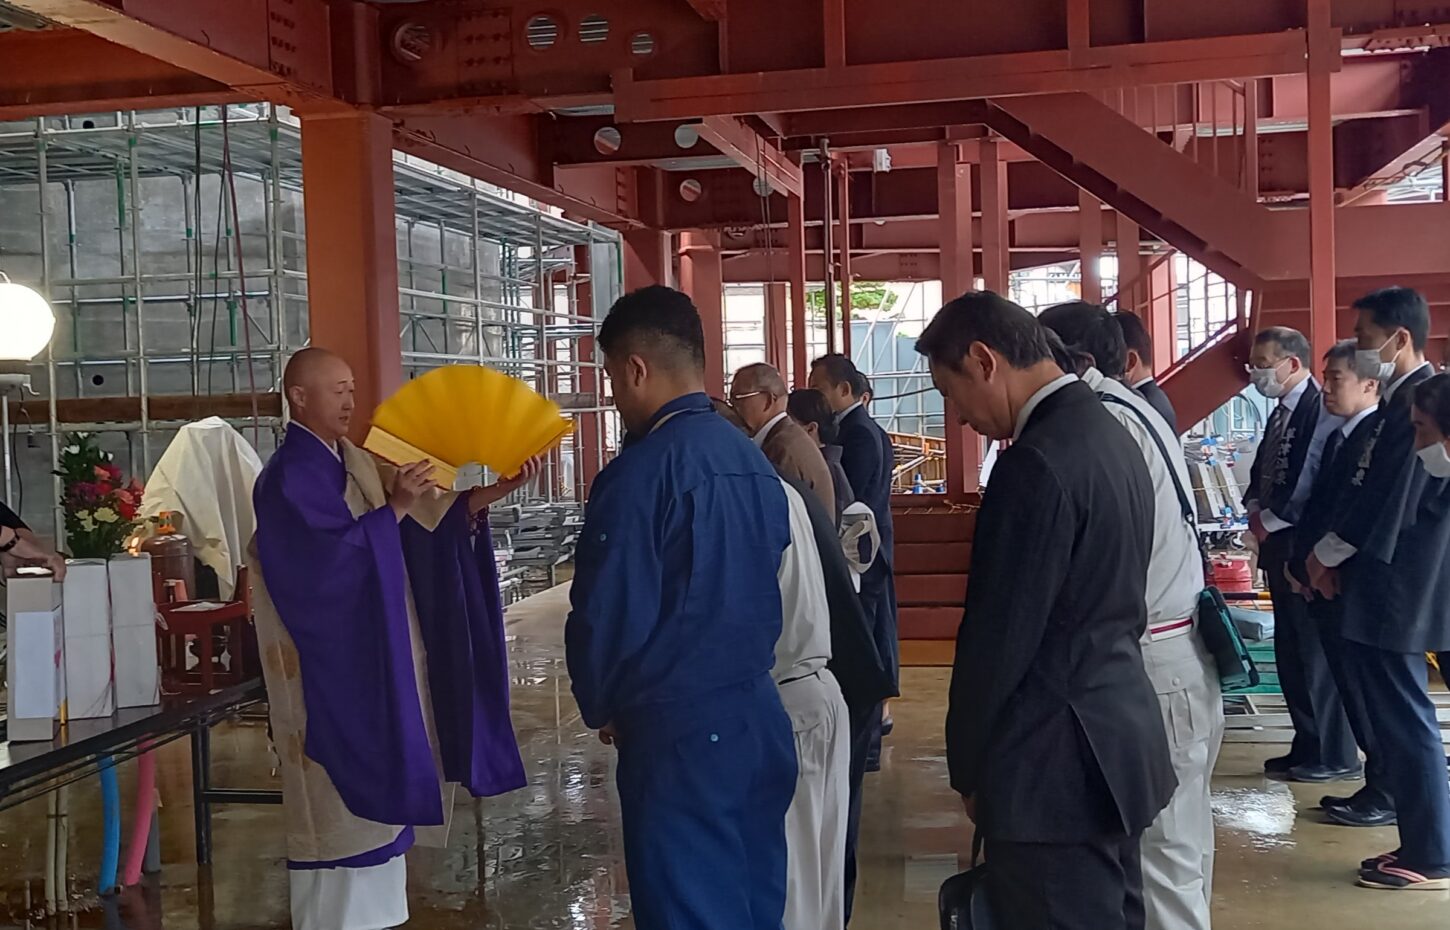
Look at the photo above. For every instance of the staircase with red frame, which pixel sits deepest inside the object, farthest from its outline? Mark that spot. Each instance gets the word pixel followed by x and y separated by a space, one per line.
pixel 933 550
pixel 1197 209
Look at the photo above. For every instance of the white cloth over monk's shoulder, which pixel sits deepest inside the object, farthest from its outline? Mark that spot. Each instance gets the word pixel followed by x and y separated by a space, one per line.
pixel 206 475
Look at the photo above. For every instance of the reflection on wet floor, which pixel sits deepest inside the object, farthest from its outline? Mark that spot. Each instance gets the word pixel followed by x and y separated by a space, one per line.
pixel 550 856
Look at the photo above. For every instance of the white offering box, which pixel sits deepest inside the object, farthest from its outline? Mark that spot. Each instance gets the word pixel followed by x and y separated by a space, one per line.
pixel 35 672
pixel 133 631
pixel 88 640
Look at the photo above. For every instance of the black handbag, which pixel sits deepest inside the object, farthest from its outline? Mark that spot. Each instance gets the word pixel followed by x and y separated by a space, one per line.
pixel 962 901
pixel 1215 625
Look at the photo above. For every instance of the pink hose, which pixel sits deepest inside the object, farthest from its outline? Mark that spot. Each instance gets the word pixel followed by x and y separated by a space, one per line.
pixel 141 822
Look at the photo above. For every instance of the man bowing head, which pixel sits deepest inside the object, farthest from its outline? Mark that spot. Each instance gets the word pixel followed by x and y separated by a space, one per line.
pixel 671 639
pixel 381 632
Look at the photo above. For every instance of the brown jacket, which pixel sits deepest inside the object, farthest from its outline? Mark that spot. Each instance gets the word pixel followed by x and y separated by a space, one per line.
pixel 796 457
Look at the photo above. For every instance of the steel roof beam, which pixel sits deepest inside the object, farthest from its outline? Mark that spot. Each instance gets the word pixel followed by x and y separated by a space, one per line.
pixel 956 79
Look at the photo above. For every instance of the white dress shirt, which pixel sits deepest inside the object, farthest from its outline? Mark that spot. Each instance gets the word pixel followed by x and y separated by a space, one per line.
pixel 1304 484
pixel 1175 566
pixel 847 412
pixel 804 646
pixel 1332 551
pixel 1042 393
pixel 764 431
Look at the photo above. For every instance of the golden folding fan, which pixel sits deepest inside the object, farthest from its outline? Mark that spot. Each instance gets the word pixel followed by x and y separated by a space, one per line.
pixel 459 414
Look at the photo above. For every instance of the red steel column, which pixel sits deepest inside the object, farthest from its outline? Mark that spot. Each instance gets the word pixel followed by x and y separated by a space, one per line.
pixel 1323 57
pixel 1090 245
pixel 843 235
pixel 1162 314
pixel 796 248
pixel 646 255
pixel 700 277
pixel 996 261
pixel 352 254
pixel 1130 264
pixel 775 327
pixel 588 442
pixel 954 211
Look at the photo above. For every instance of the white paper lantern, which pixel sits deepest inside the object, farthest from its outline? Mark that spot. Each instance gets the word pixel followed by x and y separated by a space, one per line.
pixel 26 322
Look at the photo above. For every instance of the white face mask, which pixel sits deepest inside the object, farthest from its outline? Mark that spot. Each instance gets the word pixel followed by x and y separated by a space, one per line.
pixel 1436 460
pixel 1267 380
pixel 1368 364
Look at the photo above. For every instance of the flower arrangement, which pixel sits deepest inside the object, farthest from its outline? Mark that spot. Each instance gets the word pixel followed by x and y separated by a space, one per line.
pixel 100 511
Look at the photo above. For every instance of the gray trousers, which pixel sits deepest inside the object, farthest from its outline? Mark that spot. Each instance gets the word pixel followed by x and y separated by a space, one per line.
pixel 1178 847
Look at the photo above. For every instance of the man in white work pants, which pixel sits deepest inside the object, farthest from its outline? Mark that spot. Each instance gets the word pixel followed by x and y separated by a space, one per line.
pixel 1177 850
pixel 815 825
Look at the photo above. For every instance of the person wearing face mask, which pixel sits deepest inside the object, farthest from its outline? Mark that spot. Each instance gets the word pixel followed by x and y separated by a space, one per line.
pixel 1054 738
pixel 1387 557
pixel 1280 482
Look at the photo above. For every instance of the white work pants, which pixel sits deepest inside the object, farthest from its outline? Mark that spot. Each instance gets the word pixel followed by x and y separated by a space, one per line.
pixel 815 825
pixel 372 898
pixel 1178 847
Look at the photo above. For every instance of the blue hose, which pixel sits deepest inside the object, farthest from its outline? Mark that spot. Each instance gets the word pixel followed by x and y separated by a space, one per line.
pixel 111 818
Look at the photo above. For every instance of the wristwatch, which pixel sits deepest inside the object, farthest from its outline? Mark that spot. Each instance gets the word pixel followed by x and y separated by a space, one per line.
pixel 14 540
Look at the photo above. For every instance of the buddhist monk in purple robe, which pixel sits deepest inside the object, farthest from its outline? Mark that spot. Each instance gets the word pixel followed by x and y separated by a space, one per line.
pixel 381 631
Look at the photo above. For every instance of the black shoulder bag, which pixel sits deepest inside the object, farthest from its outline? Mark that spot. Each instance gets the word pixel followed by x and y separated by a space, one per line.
pixel 962 901
pixel 1236 669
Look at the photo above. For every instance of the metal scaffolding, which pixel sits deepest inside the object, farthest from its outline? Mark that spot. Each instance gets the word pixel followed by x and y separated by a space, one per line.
pixel 123 221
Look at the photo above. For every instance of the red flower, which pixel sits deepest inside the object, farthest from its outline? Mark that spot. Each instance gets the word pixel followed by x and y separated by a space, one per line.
pixel 127 510
pixel 113 472
pixel 101 472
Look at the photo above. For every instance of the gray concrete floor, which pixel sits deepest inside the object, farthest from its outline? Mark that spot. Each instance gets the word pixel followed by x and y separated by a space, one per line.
pixel 550 856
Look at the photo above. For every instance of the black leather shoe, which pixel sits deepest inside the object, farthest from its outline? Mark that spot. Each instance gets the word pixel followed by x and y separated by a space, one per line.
pixel 1337 800
pixel 1361 816
pixel 1279 765
pixel 1319 774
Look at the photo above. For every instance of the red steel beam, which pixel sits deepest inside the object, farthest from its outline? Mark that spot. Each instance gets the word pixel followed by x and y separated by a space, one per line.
pixel 646 254
pixel 506 151
pixel 754 267
pixel 748 149
pixel 283 54
pixel 97 76
pixel 954 192
pixel 954 79
pixel 842 241
pixel 777 326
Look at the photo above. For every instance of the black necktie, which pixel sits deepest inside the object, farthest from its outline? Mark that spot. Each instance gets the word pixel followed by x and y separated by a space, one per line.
pixel 1331 448
pixel 1273 437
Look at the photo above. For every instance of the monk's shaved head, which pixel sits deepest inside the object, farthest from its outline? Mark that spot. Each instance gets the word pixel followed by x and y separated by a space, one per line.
pixel 319 387
pixel 311 363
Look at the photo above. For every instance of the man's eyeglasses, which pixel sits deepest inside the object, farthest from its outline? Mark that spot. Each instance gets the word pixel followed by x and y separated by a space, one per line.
pixel 735 400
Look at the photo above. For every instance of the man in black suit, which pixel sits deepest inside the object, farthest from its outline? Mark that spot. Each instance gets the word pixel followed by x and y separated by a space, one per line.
pixel 1354 402
pixel 1388 557
pixel 1054 738
pixel 1279 484
pixel 1138 373
pixel 868 458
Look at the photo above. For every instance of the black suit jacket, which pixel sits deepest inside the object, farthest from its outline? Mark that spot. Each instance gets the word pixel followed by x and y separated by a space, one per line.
pixel 868 458
pixel 1397 585
pixel 855 660
pixel 1053 723
pixel 1158 400
pixel 1285 462
pixel 1334 492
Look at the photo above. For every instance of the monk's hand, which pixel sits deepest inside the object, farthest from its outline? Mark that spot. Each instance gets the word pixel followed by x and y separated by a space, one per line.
pixel 608 735
pixel 485 497
pixel 1295 586
pixel 409 484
